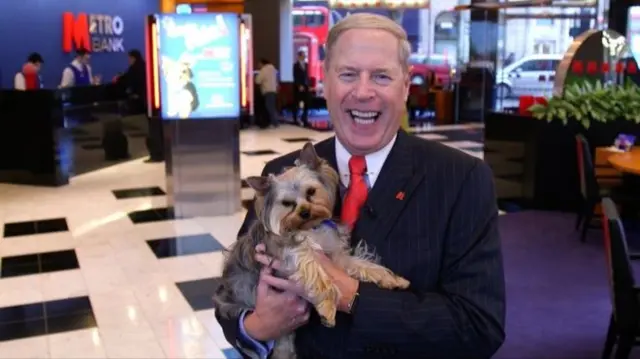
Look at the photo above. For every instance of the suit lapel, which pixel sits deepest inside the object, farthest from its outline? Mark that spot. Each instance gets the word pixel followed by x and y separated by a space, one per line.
pixel 391 192
pixel 327 150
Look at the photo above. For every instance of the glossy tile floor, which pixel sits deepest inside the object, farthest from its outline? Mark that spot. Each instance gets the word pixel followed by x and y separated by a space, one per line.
pixel 100 269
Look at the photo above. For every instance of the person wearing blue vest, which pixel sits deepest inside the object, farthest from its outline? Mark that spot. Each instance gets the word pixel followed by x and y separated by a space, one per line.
pixel 78 72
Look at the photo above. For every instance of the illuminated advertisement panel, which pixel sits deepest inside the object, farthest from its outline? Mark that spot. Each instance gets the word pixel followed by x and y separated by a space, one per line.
pixel 199 66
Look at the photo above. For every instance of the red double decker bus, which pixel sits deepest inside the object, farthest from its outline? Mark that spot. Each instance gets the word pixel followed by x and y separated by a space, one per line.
pixel 311 26
pixel 314 20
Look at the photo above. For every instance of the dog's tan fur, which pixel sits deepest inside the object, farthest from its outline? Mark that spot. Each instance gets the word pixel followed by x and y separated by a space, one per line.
pixel 291 208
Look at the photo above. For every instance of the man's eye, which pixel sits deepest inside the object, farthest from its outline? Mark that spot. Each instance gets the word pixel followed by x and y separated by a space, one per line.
pixel 347 76
pixel 287 203
pixel 381 78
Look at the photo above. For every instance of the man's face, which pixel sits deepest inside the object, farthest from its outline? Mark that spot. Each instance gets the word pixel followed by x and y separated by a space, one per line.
pixel 132 60
pixel 37 65
pixel 85 59
pixel 301 57
pixel 366 89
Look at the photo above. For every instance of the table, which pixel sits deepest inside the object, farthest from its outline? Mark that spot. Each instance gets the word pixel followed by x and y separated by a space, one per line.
pixel 627 162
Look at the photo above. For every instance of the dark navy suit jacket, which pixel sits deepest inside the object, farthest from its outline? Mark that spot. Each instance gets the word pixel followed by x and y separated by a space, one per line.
pixel 442 235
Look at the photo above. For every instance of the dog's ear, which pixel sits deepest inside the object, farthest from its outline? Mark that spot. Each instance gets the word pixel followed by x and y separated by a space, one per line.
pixel 260 184
pixel 309 157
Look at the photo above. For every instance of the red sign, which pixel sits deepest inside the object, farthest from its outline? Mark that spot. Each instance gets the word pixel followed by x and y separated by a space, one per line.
pixel 75 32
pixel 93 32
pixel 592 68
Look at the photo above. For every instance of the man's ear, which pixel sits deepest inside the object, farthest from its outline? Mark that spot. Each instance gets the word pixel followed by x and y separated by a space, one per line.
pixel 309 157
pixel 260 184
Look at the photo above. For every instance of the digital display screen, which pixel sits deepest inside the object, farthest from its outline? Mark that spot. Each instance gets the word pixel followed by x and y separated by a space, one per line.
pixel 199 66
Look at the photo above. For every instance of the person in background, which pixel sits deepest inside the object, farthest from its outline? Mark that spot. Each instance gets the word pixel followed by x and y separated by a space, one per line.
pixel 267 79
pixel 79 73
pixel 134 81
pixel 301 89
pixel 29 77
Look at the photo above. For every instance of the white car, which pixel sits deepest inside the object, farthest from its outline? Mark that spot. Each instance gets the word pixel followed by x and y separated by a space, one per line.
pixel 531 75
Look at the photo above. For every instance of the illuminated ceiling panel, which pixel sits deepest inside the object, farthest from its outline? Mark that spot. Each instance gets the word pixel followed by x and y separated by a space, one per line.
pixel 387 4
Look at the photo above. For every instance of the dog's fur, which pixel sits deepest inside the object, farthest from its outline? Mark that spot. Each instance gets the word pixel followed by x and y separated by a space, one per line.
pixel 291 209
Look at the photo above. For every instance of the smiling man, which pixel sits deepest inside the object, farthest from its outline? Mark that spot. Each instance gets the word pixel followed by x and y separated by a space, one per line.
pixel 428 210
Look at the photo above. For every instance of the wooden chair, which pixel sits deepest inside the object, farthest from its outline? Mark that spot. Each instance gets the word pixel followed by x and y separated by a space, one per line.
pixel 625 317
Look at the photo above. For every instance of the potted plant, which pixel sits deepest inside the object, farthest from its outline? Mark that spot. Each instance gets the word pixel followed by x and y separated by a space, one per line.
pixel 599 111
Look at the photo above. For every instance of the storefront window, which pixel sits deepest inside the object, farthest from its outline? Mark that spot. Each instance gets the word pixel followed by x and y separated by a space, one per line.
pixel 531 41
pixel 535 40
pixel 521 56
pixel 445 35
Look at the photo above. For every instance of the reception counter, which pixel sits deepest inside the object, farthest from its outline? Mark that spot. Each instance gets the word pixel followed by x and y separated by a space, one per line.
pixel 49 136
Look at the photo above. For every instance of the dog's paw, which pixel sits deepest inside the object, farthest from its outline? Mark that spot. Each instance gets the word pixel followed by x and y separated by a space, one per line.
pixel 402 283
pixel 394 282
pixel 327 312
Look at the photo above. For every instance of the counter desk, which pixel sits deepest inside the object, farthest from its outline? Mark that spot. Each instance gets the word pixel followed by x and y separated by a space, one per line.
pixel 49 136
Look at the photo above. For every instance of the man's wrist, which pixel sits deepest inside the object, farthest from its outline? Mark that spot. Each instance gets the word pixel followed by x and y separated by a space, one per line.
pixel 253 327
pixel 349 295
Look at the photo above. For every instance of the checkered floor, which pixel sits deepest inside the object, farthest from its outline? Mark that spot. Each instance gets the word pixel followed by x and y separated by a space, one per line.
pixel 99 269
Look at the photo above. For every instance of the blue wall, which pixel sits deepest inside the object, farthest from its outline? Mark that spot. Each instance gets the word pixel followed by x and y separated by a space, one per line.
pixel 36 25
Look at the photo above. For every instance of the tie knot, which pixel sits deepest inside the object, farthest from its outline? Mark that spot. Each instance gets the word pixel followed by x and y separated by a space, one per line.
pixel 357 165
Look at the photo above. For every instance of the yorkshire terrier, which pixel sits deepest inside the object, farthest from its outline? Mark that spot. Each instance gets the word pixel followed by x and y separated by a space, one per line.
pixel 294 211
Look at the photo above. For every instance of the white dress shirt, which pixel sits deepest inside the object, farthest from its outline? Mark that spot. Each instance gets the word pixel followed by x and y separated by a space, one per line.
pixel 18 82
pixel 374 161
pixel 69 79
pixel 267 78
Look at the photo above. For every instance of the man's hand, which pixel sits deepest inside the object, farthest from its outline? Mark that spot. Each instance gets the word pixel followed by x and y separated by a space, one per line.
pixel 276 313
pixel 347 286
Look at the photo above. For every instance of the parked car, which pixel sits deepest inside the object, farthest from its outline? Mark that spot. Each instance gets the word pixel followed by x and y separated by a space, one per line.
pixel 422 65
pixel 531 75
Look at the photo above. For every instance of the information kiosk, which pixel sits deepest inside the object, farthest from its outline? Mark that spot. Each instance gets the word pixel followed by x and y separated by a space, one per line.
pixel 198 89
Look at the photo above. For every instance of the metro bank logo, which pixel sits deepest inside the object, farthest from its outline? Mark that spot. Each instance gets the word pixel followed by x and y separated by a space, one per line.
pixel 94 32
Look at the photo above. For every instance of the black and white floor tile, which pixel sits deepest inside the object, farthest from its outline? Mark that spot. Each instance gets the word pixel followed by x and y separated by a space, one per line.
pixel 102 268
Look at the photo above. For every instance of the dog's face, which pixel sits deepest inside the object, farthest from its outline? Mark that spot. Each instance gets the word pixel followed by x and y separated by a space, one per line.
pixel 299 198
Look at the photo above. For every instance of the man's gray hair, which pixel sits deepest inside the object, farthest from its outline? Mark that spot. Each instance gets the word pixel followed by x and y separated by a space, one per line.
pixel 370 21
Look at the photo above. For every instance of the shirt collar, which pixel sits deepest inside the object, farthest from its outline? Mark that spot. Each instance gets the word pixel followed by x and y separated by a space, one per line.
pixel 374 161
pixel 76 63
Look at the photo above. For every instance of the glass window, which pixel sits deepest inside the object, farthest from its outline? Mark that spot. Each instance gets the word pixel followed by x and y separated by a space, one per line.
pixel 544 22
pixel 532 65
pixel 633 30
pixel 298 20
pixel 437 61
pixel 314 20
pixel 417 59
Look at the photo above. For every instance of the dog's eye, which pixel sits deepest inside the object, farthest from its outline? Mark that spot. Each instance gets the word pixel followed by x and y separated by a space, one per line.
pixel 287 203
pixel 311 192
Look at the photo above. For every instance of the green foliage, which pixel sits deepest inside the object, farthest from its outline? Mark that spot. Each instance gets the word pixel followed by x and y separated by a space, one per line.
pixel 590 101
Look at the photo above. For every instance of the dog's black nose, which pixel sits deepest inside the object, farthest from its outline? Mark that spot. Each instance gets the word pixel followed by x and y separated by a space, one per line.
pixel 304 214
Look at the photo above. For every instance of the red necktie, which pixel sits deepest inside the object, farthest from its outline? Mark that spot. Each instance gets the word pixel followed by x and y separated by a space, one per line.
pixel 357 191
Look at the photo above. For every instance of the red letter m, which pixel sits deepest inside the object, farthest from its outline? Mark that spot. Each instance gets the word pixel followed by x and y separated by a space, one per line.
pixel 75 32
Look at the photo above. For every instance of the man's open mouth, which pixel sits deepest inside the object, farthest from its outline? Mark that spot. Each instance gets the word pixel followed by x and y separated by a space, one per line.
pixel 364 117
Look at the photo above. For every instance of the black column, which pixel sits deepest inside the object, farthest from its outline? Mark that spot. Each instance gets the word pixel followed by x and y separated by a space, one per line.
pixel 618 10
pixel 477 82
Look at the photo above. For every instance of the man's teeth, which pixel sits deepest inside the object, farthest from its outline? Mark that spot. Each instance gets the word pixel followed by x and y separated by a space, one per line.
pixel 364 117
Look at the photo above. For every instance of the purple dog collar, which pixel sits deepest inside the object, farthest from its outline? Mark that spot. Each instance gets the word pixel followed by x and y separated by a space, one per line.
pixel 329 223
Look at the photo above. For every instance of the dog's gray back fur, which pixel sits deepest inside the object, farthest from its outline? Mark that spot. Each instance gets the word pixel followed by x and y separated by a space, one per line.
pixel 241 271
pixel 240 274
